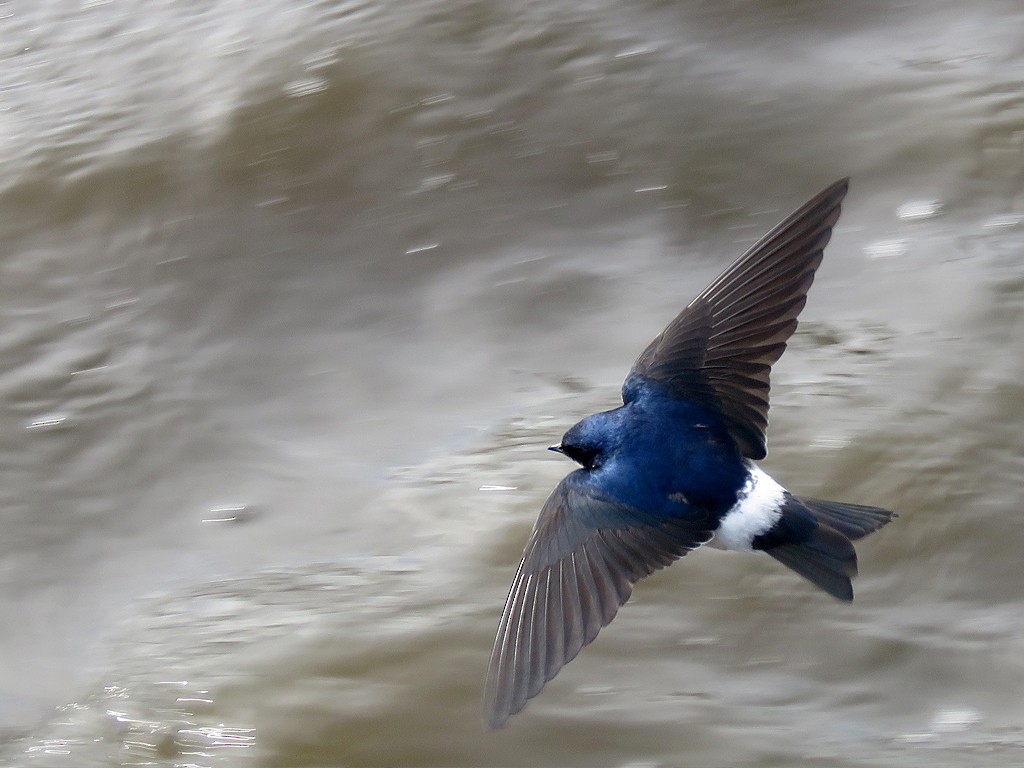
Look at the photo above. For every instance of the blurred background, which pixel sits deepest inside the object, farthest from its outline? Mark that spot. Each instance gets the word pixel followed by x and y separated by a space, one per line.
pixel 294 295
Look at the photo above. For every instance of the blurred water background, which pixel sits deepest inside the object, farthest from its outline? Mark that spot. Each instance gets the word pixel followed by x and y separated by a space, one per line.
pixel 294 295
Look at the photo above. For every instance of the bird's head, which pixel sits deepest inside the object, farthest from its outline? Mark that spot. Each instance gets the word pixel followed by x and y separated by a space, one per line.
pixel 590 442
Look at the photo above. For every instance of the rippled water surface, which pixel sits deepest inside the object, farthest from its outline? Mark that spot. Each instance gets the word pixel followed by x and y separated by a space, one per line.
pixel 294 295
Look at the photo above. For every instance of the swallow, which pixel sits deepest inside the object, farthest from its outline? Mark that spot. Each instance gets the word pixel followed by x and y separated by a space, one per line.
pixel 674 468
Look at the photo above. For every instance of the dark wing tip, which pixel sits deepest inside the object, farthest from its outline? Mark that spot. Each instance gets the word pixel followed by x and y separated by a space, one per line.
pixel 572 580
pixel 718 351
pixel 552 612
pixel 781 259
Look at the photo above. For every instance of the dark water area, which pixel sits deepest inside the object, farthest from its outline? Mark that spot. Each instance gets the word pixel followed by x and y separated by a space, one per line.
pixel 294 296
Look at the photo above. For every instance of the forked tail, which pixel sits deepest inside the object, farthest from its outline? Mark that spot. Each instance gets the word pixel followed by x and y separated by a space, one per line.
pixel 814 538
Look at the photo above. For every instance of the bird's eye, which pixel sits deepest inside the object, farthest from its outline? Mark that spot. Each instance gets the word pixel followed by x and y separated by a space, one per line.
pixel 586 457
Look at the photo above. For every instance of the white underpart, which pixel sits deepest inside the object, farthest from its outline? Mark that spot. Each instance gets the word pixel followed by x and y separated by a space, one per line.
pixel 758 507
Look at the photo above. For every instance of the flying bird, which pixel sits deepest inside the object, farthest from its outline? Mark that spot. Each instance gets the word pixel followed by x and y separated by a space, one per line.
pixel 673 468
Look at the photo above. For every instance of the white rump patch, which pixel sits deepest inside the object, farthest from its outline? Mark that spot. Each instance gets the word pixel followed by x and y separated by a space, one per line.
pixel 758 507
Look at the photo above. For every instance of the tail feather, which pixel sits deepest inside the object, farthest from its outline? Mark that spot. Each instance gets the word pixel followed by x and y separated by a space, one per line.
pixel 827 560
pixel 813 538
pixel 854 521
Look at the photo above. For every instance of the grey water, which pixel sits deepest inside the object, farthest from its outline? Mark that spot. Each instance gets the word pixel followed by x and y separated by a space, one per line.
pixel 293 296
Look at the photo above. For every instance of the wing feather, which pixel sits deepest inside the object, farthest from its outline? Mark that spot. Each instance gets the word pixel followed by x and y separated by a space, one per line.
pixel 719 351
pixel 573 578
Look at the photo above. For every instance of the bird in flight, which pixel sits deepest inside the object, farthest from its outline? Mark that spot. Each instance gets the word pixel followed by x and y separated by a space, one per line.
pixel 673 468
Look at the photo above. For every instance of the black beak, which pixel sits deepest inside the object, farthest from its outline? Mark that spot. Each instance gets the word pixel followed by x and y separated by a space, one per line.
pixel 557 449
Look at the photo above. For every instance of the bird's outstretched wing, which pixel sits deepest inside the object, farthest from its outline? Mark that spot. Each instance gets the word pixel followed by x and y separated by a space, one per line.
pixel 719 351
pixel 578 568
